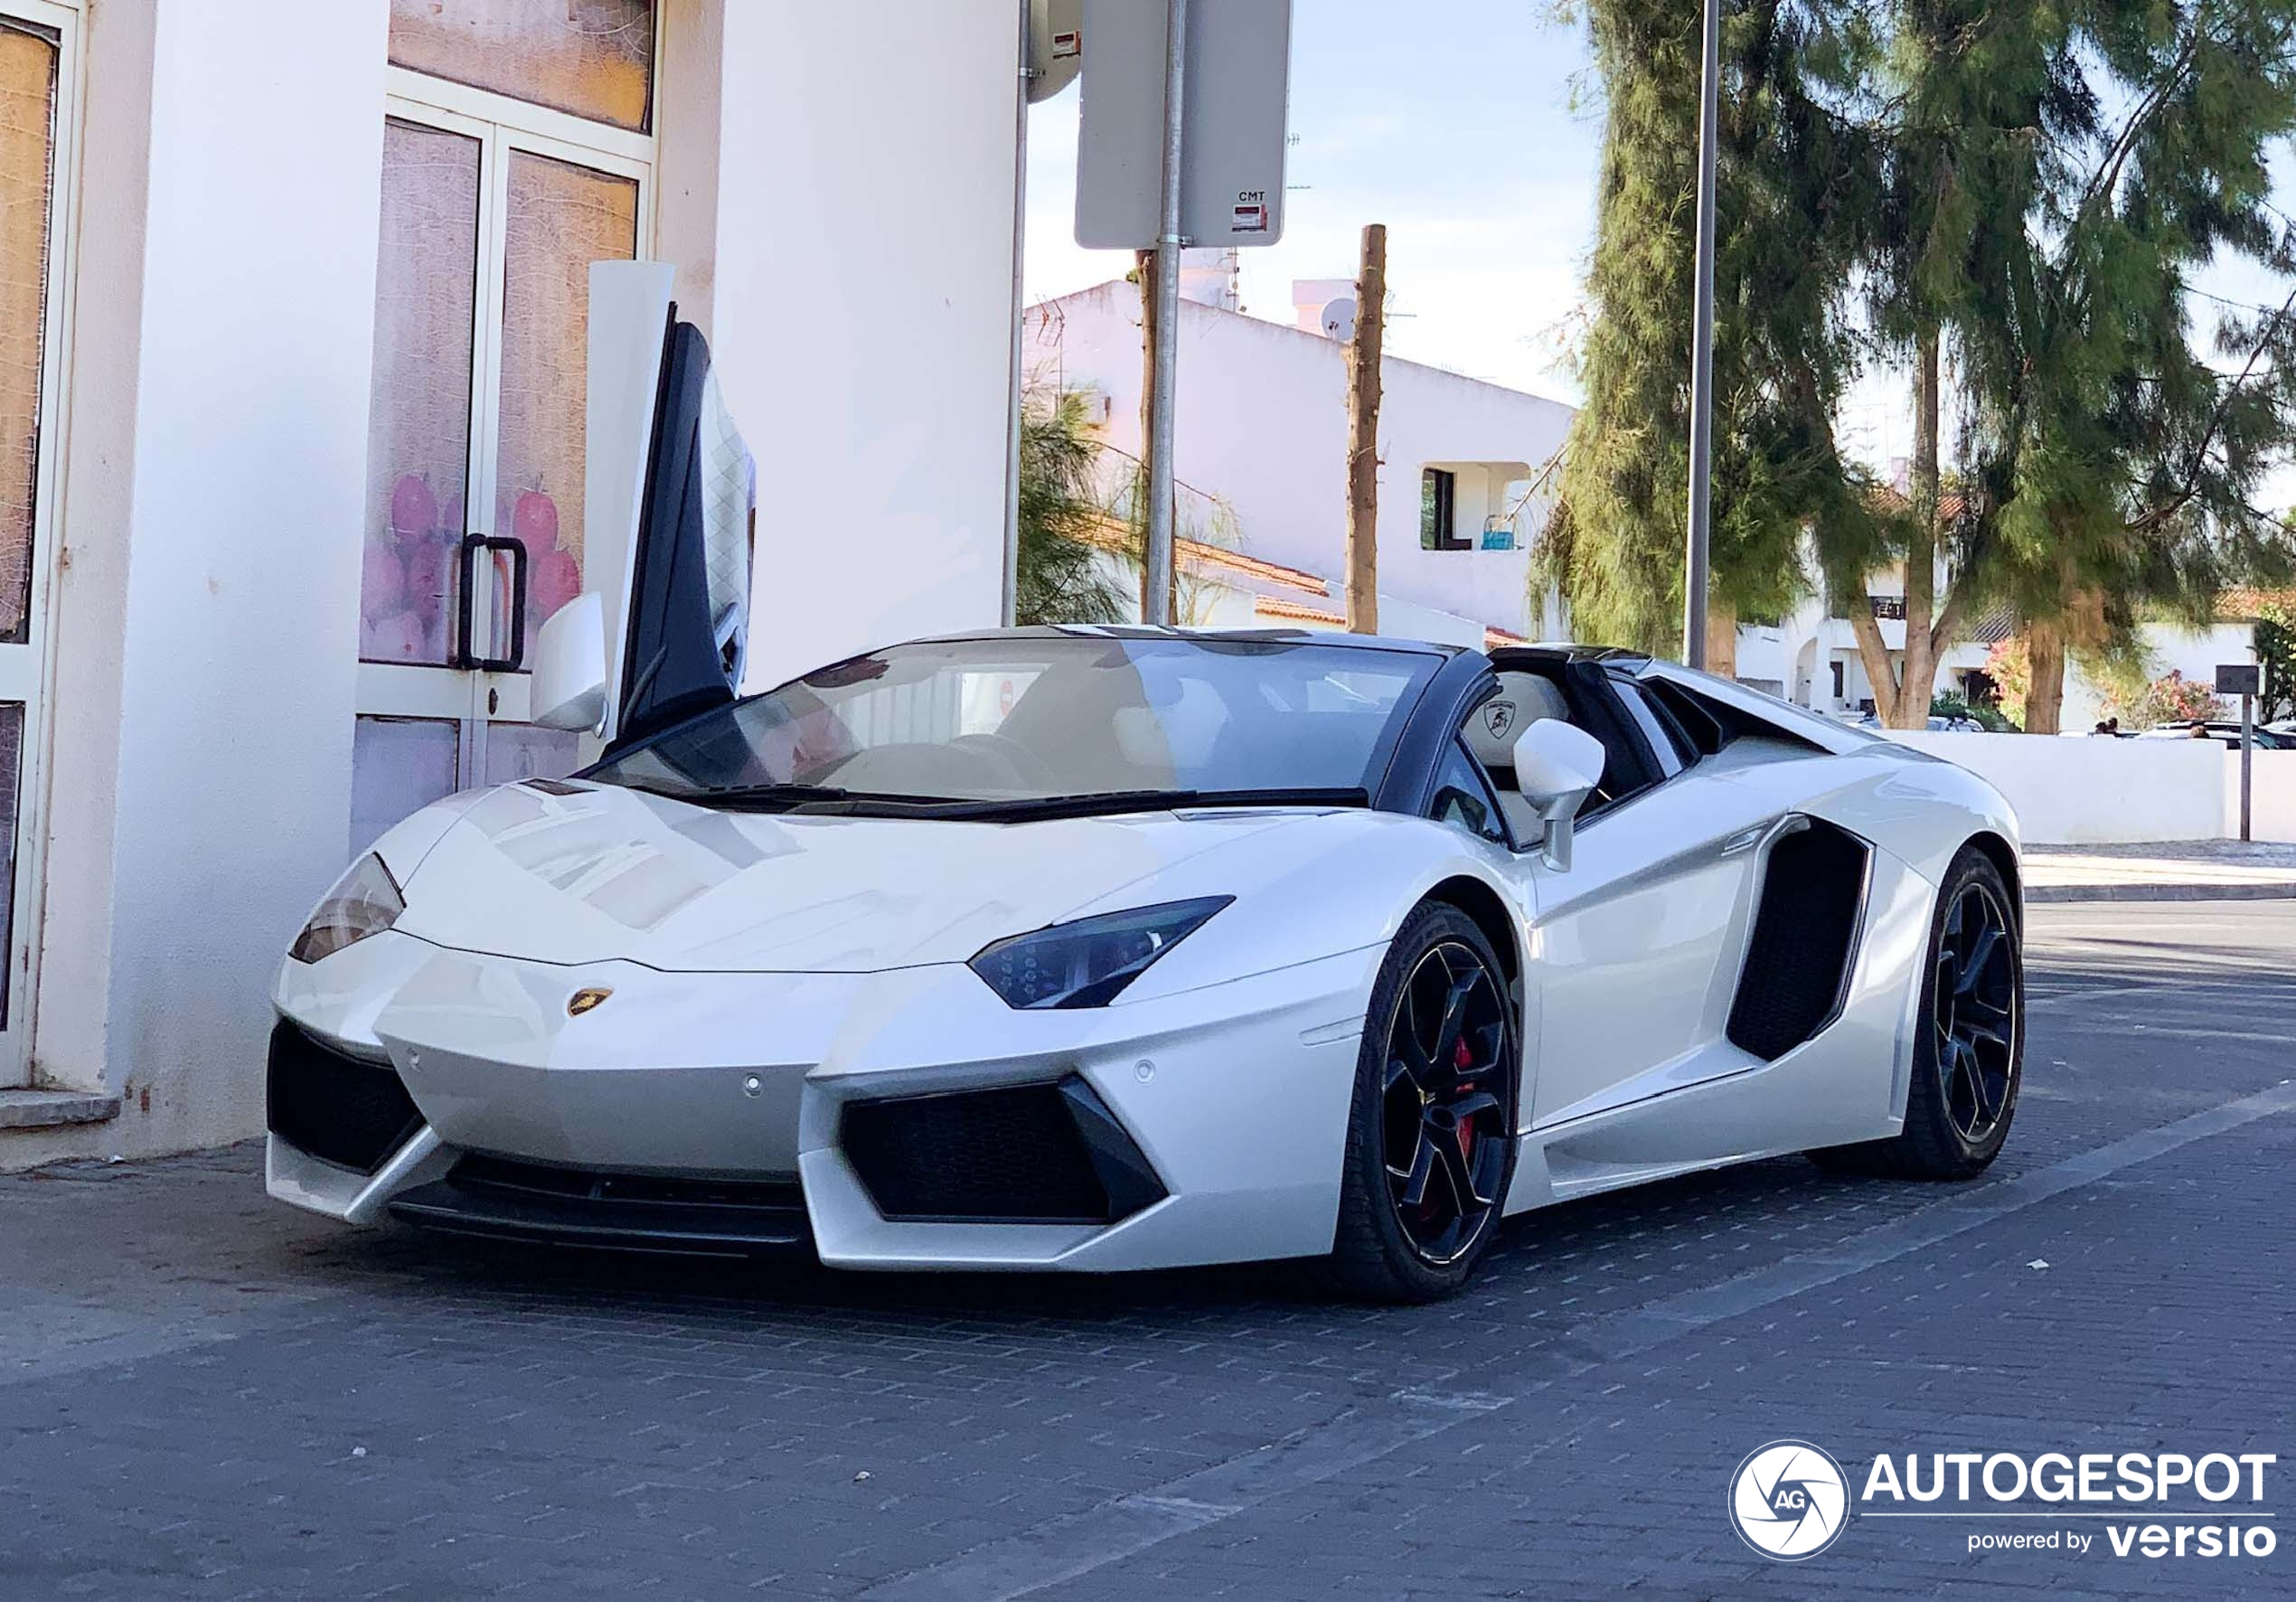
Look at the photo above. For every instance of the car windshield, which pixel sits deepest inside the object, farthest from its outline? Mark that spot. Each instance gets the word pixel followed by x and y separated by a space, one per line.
pixel 1022 719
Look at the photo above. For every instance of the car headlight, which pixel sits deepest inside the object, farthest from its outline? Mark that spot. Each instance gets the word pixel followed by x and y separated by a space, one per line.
pixel 1087 963
pixel 364 901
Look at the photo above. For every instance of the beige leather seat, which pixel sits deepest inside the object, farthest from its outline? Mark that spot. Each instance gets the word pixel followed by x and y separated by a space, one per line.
pixel 1493 728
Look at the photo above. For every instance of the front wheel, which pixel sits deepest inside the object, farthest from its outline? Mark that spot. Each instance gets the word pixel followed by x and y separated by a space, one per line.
pixel 1430 1141
pixel 1969 1058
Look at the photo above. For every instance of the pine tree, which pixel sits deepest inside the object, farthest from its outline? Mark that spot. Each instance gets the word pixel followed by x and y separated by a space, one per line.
pixel 2055 177
pixel 1061 577
pixel 1794 189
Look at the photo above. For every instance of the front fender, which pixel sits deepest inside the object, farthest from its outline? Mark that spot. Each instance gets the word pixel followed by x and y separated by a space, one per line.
pixel 1335 883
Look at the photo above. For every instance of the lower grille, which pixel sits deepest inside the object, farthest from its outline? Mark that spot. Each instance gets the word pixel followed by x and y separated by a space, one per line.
pixel 334 1108
pixel 503 1197
pixel 1026 1154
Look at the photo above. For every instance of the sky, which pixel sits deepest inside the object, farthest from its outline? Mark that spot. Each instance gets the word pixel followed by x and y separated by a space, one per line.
pixel 1471 128
pixel 1456 130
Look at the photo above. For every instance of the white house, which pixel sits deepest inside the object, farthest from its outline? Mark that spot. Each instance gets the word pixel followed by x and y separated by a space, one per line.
pixel 1262 426
pixel 291 301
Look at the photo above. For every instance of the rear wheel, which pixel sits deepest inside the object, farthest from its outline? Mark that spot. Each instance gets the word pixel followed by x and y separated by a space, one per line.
pixel 1431 1135
pixel 1969 1057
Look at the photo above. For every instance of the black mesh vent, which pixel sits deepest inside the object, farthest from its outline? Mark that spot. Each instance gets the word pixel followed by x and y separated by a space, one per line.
pixel 1804 935
pixel 1013 1156
pixel 338 1109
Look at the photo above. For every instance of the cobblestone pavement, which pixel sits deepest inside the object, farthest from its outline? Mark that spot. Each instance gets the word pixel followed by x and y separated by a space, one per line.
pixel 203 1395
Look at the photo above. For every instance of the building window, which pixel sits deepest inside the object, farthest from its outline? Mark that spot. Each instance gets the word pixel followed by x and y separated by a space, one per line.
pixel 1438 509
pixel 28 67
pixel 591 59
pixel 1837 681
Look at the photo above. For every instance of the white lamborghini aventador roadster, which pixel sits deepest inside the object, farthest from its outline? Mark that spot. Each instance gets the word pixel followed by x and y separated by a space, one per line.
pixel 1106 948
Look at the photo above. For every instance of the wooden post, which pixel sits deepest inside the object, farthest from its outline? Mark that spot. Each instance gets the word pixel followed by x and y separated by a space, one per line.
pixel 1363 435
pixel 1144 269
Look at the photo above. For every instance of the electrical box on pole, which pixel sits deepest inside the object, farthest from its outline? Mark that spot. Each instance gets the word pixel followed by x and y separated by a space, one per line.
pixel 1055 46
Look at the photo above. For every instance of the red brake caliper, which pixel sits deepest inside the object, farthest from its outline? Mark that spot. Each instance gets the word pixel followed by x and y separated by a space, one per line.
pixel 1464 1060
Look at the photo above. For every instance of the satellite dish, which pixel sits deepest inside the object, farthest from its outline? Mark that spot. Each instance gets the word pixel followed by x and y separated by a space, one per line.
pixel 1339 318
pixel 1055 46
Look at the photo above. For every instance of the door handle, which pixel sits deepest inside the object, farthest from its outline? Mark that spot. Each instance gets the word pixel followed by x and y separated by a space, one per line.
pixel 475 548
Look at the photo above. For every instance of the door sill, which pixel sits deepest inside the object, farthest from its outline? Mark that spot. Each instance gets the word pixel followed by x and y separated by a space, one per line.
pixel 53 1109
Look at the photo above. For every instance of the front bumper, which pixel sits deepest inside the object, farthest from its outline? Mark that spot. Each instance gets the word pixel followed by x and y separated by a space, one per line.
pixel 1211 1122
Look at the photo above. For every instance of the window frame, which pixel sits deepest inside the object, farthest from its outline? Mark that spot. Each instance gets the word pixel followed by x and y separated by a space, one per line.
pixel 476 701
pixel 65 19
pixel 1442 531
pixel 486 105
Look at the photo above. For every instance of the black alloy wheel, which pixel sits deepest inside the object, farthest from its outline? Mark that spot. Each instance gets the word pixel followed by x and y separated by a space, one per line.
pixel 1975 1015
pixel 1442 1127
pixel 1431 1142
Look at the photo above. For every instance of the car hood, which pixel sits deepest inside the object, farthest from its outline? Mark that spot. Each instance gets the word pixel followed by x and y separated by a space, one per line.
pixel 570 873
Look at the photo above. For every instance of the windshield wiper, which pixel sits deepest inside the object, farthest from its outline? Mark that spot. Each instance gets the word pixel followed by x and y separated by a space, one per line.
pixel 745 797
pixel 829 801
pixel 1107 803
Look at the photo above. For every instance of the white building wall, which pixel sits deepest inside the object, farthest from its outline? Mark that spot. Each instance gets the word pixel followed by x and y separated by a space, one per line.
pixel 216 457
pixel 216 404
pixel 861 317
pixel 1262 424
pixel 2196 652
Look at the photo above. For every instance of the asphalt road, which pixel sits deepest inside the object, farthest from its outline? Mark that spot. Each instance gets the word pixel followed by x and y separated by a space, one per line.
pixel 202 1395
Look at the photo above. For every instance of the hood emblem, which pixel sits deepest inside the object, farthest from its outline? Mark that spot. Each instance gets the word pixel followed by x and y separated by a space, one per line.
pixel 587 1000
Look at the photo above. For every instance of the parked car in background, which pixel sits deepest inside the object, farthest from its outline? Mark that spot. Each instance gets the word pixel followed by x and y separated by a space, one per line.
pixel 2267 739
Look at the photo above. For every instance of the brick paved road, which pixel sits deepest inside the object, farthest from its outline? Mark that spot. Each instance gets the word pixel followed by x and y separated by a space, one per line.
pixel 202 1395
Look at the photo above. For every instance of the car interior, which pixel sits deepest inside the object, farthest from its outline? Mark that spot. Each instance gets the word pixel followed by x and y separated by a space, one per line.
pixel 1649 732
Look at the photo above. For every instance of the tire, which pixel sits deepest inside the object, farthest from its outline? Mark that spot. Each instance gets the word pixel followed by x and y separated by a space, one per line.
pixel 1969 1057
pixel 1387 1247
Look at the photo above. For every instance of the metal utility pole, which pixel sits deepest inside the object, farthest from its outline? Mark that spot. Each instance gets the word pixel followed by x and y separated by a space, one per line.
pixel 1695 566
pixel 1165 353
pixel 1009 599
pixel 2247 758
pixel 1363 434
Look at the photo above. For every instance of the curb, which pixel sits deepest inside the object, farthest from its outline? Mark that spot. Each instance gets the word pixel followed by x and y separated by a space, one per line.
pixel 2041 894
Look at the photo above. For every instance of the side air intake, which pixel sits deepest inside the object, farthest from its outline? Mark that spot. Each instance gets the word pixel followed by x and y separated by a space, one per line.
pixel 1806 937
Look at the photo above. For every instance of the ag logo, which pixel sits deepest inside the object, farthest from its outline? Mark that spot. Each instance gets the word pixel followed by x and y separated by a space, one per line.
pixel 583 1000
pixel 1789 1501
pixel 1499 717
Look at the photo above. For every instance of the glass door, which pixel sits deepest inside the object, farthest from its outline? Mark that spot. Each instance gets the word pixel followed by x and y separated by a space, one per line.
pixel 475 469
pixel 37 42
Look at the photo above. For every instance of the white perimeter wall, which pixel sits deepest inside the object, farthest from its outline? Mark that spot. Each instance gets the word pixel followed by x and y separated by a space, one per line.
pixel 2096 792
pixel 2273 791
pixel 1262 424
